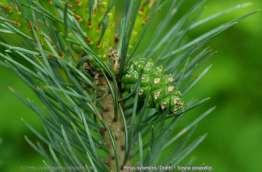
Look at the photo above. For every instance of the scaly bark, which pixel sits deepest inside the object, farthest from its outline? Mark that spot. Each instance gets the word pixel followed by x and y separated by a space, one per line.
pixel 117 130
pixel 113 121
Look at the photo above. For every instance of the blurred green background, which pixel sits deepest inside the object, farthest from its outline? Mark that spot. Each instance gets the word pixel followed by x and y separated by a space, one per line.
pixel 234 142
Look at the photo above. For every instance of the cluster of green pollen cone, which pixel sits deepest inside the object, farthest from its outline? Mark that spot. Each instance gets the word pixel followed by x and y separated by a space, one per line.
pixel 153 82
pixel 100 23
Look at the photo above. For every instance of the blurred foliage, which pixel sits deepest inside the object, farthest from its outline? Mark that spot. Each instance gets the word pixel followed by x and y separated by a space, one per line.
pixel 234 83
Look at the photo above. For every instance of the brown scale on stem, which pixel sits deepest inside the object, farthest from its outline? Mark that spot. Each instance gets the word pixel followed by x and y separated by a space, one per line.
pixel 111 119
pixel 114 57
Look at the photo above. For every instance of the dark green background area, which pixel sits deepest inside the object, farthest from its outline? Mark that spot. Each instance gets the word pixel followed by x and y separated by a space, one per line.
pixel 234 142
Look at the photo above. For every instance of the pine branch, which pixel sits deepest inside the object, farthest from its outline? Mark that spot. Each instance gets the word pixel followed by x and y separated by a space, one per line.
pixel 112 76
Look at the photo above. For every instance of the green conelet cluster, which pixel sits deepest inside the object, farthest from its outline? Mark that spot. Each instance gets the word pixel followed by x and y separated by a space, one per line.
pixel 155 83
